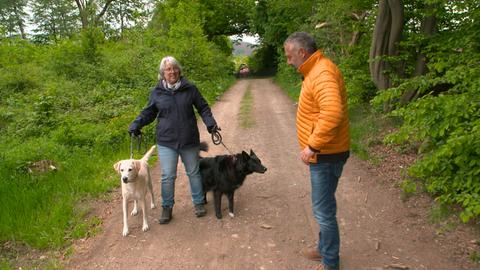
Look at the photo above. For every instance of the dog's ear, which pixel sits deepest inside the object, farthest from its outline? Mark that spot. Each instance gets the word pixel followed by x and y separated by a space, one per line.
pixel 116 166
pixel 137 165
pixel 245 155
pixel 252 154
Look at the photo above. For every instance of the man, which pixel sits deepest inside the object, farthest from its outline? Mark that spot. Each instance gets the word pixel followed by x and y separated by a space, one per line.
pixel 323 135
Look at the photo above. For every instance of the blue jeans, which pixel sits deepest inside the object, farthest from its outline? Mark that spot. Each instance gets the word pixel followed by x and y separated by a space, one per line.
pixel 168 163
pixel 324 179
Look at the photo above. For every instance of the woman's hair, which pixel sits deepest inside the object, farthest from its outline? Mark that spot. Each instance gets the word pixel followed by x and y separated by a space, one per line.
pixel 302 40
pixel 163 63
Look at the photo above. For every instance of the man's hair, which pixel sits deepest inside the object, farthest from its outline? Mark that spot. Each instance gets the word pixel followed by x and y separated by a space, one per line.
pixel 163 63
pixel 302 40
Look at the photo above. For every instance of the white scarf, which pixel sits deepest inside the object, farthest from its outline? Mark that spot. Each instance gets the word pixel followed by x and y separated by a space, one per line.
pixel 172 87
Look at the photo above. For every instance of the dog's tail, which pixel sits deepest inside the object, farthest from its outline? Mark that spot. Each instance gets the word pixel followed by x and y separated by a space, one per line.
pixel 148 154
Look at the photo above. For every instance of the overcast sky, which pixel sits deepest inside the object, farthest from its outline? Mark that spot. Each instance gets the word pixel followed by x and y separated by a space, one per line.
pixel 247 38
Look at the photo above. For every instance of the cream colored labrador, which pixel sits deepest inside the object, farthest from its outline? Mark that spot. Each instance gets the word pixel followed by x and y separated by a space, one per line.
pixel 136 181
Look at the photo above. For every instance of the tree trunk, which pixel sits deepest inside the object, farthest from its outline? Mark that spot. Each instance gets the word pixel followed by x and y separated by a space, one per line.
pixel 386 35
pixel 84 9
pixel 19 22
pixel 357 34
pixel 428 28
pixel 355 38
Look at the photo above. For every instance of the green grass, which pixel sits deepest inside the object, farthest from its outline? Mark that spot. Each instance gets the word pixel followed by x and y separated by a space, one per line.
pixel 443 216
pixel 475 256
pixel 41 208
pixel 245 114
pixel 5 265
pixel 409 188
pixel 364 128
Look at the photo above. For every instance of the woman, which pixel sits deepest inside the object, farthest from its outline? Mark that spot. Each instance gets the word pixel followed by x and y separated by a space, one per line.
pixel 172 102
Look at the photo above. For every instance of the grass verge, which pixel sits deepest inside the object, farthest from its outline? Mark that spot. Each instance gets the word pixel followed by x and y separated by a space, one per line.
pixel 245 113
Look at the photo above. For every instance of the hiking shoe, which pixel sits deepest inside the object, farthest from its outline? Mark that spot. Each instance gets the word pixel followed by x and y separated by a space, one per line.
pixel 200 210
pixel 311 254
pixel 166 215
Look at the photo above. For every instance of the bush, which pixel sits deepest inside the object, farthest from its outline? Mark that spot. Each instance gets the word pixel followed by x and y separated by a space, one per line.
pixel 444 127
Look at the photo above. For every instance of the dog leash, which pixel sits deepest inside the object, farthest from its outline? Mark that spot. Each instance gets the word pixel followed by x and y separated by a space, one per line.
pixel 217 139
pixel 139 143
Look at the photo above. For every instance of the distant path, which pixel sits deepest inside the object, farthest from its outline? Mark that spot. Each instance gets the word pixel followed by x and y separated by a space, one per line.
pixel 273 215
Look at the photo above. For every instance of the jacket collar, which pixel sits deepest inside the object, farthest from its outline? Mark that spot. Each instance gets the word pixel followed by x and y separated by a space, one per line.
pixel 305 68
pixel 183 83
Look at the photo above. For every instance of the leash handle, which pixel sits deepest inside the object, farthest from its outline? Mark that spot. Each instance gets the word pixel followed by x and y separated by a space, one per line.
pixel 217 139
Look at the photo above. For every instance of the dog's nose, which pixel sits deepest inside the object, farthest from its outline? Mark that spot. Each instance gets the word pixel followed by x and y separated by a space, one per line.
pixel 125 179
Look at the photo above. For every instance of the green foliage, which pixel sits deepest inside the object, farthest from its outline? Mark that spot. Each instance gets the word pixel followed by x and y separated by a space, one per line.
pixel 264 60
pixel 219 15
pixel 55 19
pixel 475 256
pixel 409 188
pixel 274 20
pixel 360 87
pixel 289 79
pixel 444 123
pixel 4 265
pixel 70 103
pixel 185 40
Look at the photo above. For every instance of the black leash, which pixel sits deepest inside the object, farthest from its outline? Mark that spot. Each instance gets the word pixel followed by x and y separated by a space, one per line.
pixel 139 143
pixel 217 139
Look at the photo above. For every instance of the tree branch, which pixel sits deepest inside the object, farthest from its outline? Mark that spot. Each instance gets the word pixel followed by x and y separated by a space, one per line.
pixel 104 9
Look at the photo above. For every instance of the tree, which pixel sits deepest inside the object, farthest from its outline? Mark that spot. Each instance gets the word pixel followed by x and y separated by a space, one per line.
pixel 386 35
pixel 13 17
pixel 124 14
pixel 339 25
pixel 54 19
pixel 226 17
pixel 273 21
pixel 88 11
pixel 428 28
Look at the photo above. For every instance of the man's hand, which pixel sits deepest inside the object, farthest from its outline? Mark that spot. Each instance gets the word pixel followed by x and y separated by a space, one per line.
pixel 306 155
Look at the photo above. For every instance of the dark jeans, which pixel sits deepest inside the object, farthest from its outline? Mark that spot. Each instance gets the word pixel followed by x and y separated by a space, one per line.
pixel 324 180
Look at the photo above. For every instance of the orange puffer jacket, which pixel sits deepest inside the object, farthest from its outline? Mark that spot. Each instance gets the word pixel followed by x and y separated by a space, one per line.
pixel 322 115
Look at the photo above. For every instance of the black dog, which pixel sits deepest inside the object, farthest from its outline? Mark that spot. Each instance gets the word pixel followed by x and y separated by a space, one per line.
pixel 225 173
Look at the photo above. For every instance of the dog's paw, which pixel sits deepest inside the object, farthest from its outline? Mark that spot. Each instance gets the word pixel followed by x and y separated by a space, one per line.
pixel 219 216
pixel 125 231
pixel 145 227
pixel 134 212
pixel 232 215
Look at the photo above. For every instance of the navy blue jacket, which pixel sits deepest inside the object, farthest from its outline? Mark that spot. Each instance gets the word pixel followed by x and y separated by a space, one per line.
pixel 176 122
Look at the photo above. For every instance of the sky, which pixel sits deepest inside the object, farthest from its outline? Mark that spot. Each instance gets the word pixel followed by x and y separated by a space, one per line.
pixel 248 38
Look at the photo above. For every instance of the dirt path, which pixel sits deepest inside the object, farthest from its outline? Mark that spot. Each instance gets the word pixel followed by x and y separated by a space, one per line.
pixel 273 216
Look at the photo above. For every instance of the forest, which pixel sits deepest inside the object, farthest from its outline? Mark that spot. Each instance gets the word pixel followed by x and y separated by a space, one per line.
pixel 73 74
